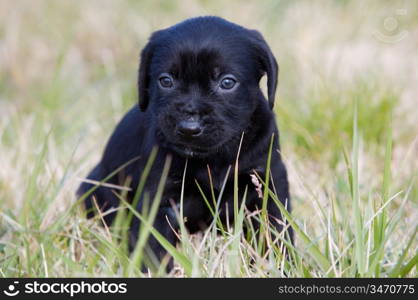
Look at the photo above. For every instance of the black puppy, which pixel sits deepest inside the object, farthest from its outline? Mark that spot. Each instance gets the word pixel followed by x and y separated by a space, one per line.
pixel 199 98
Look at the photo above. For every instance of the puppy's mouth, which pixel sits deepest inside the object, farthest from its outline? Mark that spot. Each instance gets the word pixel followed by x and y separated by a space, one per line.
pixel 196 145
pixel 193 151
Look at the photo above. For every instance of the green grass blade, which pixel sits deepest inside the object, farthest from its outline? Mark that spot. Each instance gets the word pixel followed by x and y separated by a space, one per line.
pixel 357 215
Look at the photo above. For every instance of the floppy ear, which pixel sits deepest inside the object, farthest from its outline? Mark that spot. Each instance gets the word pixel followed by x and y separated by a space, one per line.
pixel 144 76
pixel 268 64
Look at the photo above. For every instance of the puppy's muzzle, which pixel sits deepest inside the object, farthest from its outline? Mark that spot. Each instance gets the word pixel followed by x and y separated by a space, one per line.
pixel 189 128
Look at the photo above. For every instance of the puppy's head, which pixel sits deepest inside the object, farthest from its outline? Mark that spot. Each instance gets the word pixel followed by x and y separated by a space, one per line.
pixel 200 78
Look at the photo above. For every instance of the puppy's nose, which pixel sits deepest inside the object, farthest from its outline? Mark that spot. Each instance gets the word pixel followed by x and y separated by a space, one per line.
pixel 190 128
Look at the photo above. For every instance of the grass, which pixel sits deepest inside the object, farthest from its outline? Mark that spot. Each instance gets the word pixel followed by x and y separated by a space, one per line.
pixel 346 110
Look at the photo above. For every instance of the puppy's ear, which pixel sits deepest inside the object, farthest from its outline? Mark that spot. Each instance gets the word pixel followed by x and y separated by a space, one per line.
pixel 268 63
pixel 144 76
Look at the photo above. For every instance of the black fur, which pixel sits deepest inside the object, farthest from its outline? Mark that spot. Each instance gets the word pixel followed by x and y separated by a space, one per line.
pixel 196 54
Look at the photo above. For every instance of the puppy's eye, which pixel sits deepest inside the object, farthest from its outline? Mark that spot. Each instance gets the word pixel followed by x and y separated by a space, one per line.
pixel 166 82
pixel 228 83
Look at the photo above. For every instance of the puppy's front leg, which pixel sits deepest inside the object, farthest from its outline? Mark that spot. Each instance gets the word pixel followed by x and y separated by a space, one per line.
pixel 166 224
pixel 280 185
